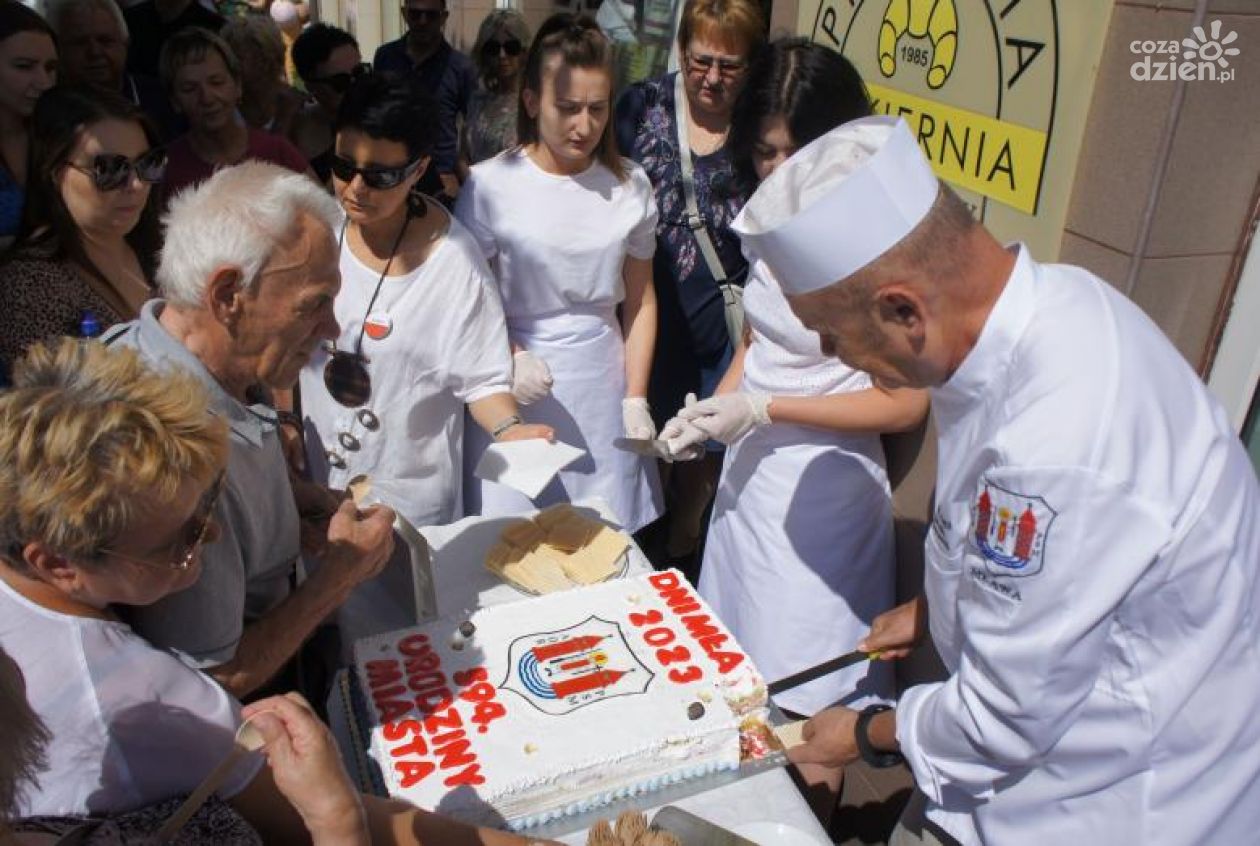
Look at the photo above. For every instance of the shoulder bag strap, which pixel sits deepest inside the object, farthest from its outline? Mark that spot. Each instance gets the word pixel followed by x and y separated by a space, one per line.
pixel 732 295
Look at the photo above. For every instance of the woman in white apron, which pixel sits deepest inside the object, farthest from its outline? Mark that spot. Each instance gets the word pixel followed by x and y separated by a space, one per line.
pixel 569 228
pixel 422 337
pixel 799 557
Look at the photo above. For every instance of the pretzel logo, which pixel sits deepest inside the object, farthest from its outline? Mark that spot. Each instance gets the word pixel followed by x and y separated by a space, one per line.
pixel 937 20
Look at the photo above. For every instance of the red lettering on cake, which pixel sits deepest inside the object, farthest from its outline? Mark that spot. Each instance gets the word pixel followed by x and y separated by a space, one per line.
pixel 700 626
pixel 470 776
pixel 455 753
pixel 463 678
pixel 417 747
pixel 413 644
pixel 650 618
pixel 685 675
pixel 424 662
pixel 432 701
pixel 423 682
pixel 680 601
pixel 381 673
pixel 664 581
pixel 395 730
pixel 659 636
pixel 450 720
pixel 411 773
pixel 673 655
pixel 392 710
pixel 727 661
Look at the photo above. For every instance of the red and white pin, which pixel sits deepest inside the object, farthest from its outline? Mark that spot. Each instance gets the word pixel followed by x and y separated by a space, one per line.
pixel 378 326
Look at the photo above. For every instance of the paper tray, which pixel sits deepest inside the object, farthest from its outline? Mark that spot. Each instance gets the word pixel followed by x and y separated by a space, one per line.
pixel 346 713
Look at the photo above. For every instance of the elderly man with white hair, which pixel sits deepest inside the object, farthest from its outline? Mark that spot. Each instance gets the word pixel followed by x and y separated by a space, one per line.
pixel 92 40
pixel 248 274
pixel 1092 566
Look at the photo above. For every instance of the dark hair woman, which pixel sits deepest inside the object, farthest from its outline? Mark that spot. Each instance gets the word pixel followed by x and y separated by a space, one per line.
pixel 570 227
pixel 28 68
pixel 422 335
pixel 89 233
pixel 803 483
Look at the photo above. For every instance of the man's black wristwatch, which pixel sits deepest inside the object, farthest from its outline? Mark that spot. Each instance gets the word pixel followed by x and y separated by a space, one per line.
pixel 875 757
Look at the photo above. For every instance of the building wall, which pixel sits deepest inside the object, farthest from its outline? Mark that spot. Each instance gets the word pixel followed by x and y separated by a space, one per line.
pixel 1168 174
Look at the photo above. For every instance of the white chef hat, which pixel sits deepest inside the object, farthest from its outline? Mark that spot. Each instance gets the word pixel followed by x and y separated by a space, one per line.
pixel 838 203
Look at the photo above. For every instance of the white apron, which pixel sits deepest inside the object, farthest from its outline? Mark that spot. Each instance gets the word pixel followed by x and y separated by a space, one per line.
pixel 799 558
pixel 586 354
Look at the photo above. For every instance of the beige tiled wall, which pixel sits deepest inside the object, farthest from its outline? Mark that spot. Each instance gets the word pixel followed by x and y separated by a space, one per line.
pixel 1175 263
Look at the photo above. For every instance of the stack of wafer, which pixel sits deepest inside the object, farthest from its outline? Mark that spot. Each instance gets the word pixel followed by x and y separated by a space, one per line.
pixel 558 549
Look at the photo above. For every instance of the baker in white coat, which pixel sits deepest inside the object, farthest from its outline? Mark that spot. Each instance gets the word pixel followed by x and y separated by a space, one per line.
pixel 1092 564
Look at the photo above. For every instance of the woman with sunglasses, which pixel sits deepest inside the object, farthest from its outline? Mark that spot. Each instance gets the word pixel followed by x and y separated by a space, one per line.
pixel 569 228
pixel 109 472
pixel 28 68
pixel 499 52
pixel 90 233
pixel 203 79
pixel 422 337
pixel 328 62
pixel 698 273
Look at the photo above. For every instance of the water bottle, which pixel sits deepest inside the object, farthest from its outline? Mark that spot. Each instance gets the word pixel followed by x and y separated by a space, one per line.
pixel 89 325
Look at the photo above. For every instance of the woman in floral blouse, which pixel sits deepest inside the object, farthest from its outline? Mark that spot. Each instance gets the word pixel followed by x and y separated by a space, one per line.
pixel 717 40
pixel 499 52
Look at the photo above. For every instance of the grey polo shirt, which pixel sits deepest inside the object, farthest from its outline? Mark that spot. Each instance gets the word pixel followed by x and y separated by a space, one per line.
pixel 245 573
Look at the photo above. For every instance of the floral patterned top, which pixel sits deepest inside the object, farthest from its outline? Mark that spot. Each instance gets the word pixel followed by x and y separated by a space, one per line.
pixel 214 824
pixel 491 125
pixel 691 335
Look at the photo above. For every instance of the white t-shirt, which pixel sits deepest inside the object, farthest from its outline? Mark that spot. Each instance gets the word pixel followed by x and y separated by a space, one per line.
pixel 557 242
pixel 447 346
pixel 130 724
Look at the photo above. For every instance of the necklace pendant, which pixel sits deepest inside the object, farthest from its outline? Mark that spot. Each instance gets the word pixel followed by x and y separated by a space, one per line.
pixel 378 326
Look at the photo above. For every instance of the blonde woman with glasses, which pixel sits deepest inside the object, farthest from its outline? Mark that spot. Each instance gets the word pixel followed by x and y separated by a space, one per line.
pixel 109 473
pixel 695 270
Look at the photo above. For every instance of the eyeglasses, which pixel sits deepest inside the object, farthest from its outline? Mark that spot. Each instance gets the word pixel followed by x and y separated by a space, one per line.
pixel 194 532
pixel 421 16
pixel 377 177
pixel 111 171
pixel 346 377
pixel 511 47
pixel 727 68
pixel 341 82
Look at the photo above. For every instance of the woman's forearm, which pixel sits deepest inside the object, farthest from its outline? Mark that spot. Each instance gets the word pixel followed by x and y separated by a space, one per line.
pixel 871 411
pixel 638 325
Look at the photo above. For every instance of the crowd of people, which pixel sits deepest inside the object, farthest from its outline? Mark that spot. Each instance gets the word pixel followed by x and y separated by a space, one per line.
pixel 380 270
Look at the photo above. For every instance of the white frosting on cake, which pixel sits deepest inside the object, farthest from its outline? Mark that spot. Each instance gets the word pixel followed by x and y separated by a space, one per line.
pixel 554 705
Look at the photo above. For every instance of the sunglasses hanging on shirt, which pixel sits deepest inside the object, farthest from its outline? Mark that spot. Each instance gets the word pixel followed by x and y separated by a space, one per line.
pixel 345 373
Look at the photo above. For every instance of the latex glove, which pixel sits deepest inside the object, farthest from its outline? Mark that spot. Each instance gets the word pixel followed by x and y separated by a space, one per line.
pixel 729 417
pixel 636 417
pixel 531 378
pixel 684 439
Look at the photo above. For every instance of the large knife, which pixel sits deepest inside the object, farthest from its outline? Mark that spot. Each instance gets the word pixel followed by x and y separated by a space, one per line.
pixel 818 671
pixel 695 831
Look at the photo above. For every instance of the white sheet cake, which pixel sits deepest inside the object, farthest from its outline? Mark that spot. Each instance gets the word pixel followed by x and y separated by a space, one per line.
pixel 550 706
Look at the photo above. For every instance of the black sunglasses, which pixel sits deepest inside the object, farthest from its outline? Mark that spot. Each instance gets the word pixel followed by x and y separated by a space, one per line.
pixel 421 15
pixel 341 82
pixel 511 47
pixel 111 171
pixel 374 176
pixel 346 377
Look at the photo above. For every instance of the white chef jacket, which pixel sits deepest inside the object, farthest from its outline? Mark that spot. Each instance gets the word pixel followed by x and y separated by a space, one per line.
pixel 1092 586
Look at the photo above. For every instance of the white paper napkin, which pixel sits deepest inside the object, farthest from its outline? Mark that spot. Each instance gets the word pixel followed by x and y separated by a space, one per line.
pixel 526 466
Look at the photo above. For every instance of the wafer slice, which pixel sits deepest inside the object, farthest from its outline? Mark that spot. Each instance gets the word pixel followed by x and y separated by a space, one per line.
pixel 548 517
pixel 522 534
pixel 599 559
pixel 502 554
pixel 572 532
pixel 537 573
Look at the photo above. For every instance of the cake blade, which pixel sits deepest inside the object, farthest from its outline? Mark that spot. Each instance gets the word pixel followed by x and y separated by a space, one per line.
pixel 648 447
pixel 695 831
pixel 818 671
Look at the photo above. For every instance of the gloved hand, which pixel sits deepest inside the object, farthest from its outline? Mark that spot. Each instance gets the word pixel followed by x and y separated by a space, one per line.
pixel 684 439
pixel 531 378
pixel 729 417
pixel 636 417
